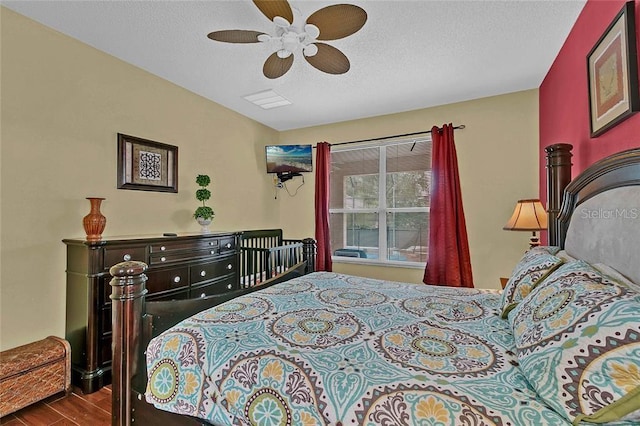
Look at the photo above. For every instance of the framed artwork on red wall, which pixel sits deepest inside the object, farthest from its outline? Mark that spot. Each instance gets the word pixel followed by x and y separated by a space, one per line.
pixel 613 74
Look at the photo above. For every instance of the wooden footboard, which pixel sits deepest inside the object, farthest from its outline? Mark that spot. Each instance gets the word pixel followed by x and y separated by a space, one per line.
pixel 136 321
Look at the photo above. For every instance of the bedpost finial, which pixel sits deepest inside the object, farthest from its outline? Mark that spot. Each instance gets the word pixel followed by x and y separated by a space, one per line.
pixel 128 280
pixel 128 269
pixel 564 147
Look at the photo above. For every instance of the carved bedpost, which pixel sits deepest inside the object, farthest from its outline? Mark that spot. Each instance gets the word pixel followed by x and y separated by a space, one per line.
pixel 558 177
pixel 309 254
pixel 127 295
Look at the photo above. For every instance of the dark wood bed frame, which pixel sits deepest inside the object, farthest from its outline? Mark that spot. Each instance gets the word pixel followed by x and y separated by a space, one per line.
pixel 136 321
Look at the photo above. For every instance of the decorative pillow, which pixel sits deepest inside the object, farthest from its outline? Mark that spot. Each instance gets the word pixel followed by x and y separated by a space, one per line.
pixel 577 340
pixel 543 250
pixel 551 249
pixel 534 266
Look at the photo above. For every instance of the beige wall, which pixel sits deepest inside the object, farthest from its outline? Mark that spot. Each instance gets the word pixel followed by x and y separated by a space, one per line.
pixel 497 156
pixel 63 103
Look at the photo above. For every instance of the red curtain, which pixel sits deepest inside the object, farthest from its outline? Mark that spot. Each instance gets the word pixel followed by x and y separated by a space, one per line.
pixel 323 167
pixel 449 262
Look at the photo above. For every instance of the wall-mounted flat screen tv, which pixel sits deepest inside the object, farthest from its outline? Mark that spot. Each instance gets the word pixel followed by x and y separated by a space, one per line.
pixel 289 158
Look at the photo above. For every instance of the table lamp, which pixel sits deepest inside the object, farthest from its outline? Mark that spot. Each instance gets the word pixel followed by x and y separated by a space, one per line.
pixel 529 215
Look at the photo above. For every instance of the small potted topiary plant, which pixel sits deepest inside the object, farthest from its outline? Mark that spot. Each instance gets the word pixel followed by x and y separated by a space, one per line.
pixel 203 214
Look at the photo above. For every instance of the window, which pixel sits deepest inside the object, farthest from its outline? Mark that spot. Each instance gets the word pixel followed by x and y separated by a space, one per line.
pixel 379 206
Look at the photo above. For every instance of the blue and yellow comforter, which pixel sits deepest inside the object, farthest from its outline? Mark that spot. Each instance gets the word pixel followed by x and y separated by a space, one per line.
pixel 334 349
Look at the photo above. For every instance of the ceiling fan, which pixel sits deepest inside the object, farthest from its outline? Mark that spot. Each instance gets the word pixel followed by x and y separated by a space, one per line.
pixel 329 23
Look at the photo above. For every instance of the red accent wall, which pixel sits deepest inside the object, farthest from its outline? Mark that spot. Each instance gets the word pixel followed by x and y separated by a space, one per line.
pixel 564 101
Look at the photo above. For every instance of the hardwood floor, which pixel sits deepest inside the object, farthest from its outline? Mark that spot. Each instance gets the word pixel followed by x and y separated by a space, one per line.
pixel 60 410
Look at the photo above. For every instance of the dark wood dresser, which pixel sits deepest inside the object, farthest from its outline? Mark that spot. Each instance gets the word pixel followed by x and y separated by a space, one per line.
pixel 180 267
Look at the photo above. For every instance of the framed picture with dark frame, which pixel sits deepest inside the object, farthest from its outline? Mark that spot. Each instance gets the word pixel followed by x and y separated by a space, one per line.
pixel 613 74
pixel 147 165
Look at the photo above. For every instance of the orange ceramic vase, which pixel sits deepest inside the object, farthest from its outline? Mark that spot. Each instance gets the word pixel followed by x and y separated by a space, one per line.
pixel 95 221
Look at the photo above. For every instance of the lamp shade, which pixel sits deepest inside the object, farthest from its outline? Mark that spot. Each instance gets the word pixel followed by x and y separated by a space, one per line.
pixel 529 215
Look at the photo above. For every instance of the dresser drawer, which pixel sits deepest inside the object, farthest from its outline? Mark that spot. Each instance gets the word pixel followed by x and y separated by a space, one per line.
pixel 169 245
pixel 210 270
pixel 181 256
pixel 172 295
pixel 218 287
pixel 158 281
pixel 113 255
pixel 227 244
pixel 167 279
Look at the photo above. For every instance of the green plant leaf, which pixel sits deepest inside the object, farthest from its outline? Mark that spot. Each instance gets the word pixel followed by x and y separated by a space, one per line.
pixel 204 212
pixel 203 194
pixel 203 180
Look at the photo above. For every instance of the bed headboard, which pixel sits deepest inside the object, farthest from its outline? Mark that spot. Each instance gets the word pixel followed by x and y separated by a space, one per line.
pixel 599 218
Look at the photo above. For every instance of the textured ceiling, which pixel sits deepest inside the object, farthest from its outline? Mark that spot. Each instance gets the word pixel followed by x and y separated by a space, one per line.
pixel 409 54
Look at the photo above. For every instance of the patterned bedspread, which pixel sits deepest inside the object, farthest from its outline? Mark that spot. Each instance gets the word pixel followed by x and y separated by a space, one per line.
pixel 334 349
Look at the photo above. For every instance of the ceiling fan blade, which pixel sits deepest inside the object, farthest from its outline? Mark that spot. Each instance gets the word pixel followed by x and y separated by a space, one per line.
pixel 273 8
pixel 235 36
pixel 338 21
pixel 329 59
pixel 276 66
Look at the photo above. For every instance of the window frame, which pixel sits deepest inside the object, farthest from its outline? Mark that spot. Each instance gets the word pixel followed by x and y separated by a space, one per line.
pixel 382 210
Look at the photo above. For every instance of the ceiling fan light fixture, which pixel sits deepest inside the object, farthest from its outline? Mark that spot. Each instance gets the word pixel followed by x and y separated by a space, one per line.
pixel 284 53
pixel 310 50
pixel 291 41
pixel 264 38
pixel 312 31
pixel 281 22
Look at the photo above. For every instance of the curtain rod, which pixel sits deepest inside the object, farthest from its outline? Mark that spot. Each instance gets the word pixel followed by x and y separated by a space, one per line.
pixel 462 126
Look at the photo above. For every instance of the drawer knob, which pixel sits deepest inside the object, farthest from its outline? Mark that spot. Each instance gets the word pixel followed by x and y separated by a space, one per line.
pixel 127 257
pixel 203 273
pixel 228 245
pixel 212 252
pixel 163 248
pixel 203 295
pixel 229 286
pixel 229 266
pixel 163 259
pixel 176 279
pixel 211 243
